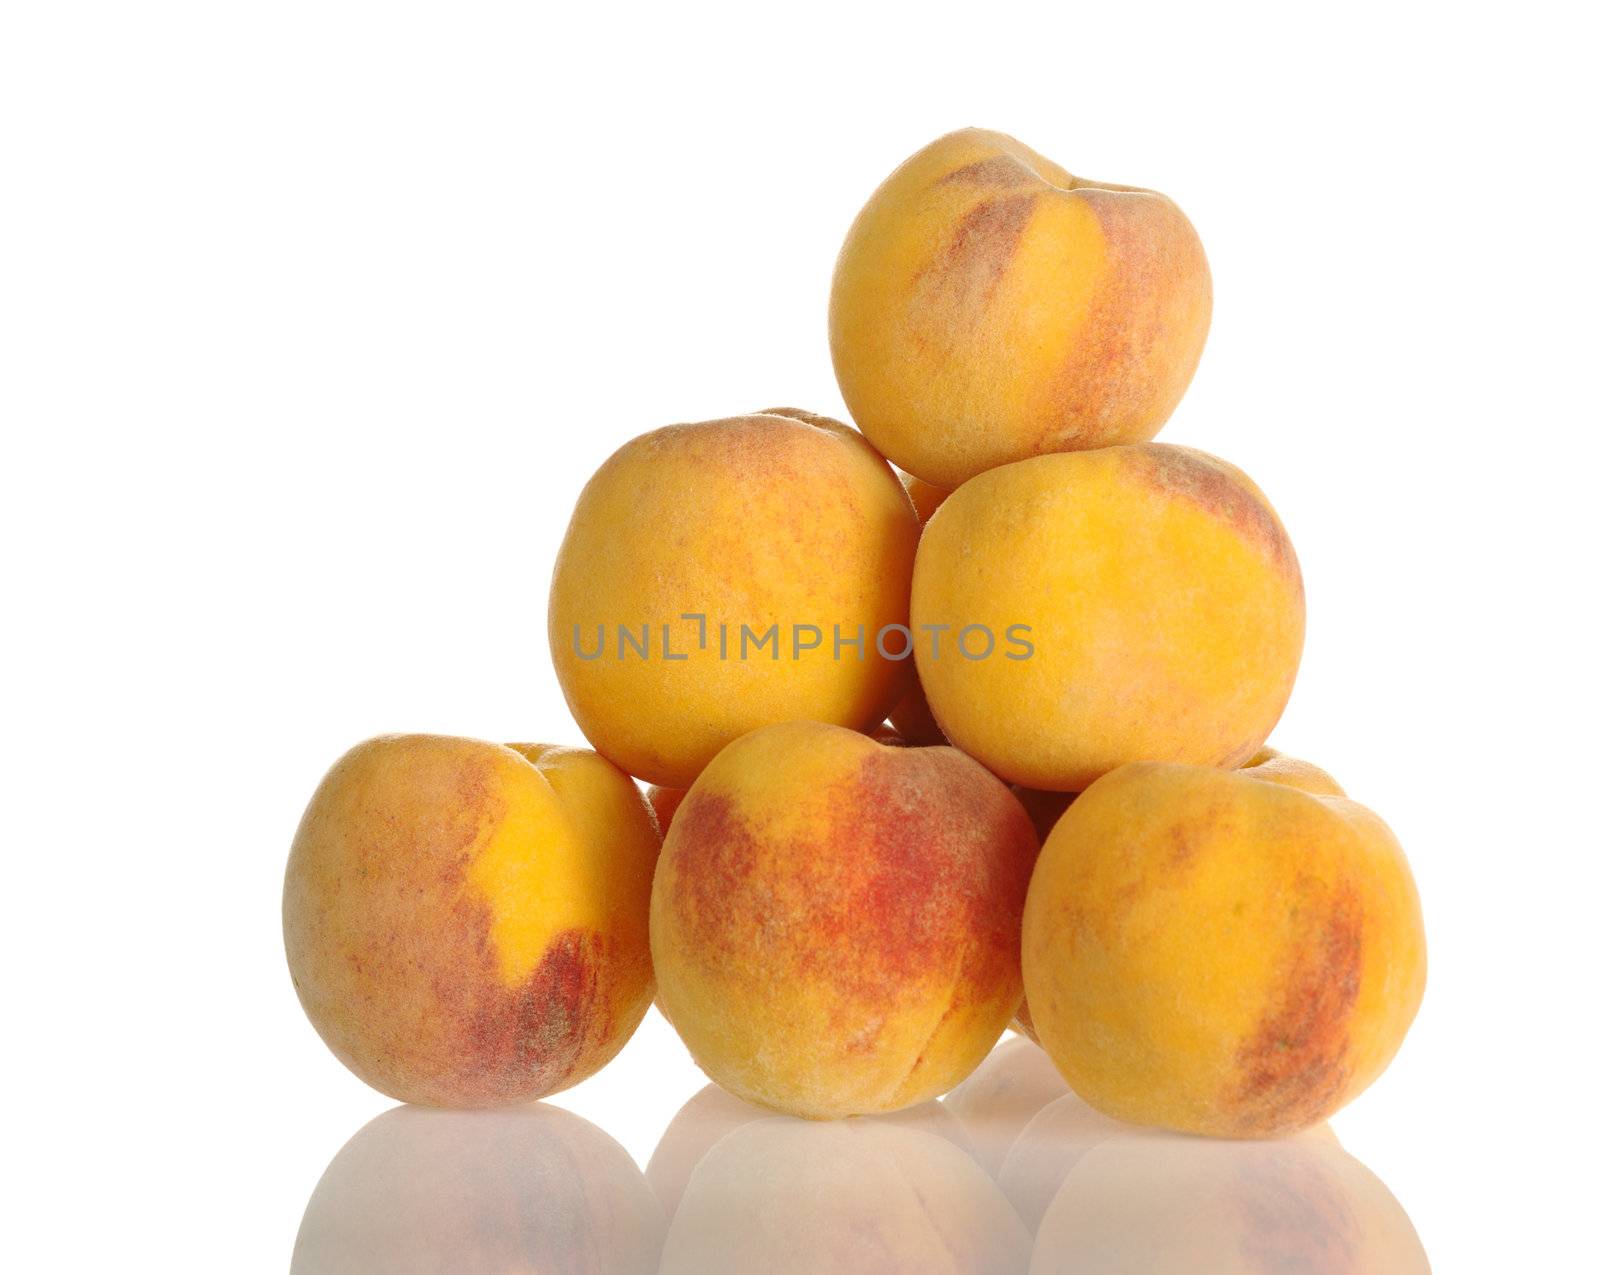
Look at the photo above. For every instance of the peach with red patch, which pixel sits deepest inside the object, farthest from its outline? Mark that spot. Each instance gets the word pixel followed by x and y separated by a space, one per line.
pixel 466 922
pixel 1219 953
pixel 835 921
pixel 989 306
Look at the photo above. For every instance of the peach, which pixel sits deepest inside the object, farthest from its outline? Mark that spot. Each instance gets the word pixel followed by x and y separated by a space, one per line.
pixel 782 1195
pixel 664 802
pixel 466 922
pixel 835 921
pixel 725 575
pixel 989 306
pixel 1044 809
pixel 1220 954
pixel 1270 764
pixel 713 1113
pixel 925 497
pixel 1161 1205
pixel 912 719
pixel 533 1189
pixel 1079 611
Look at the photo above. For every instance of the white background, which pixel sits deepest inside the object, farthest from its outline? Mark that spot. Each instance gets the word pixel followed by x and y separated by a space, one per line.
pixel 314 317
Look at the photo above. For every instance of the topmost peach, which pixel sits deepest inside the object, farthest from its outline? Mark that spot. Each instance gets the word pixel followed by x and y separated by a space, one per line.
pixel 989 306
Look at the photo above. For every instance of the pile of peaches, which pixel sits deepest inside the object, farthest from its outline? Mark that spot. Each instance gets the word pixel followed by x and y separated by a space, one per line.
pixel 933 752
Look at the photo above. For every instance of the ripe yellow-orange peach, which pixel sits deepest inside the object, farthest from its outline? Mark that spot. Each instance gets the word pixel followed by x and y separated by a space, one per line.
pixel 989 306
pixel 1078 611
pixel 721 576
pixel 466 922
pixel 1220 954
pixel 835 921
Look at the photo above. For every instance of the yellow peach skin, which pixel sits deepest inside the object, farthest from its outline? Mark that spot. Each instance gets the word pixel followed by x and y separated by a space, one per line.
pixel 782 519
pixel 466 922
pixel 989 306
pixel 1219 954
pixel 1162 604
pixel 835 921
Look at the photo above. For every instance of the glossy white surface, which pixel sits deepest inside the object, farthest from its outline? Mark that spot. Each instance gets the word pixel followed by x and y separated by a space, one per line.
pixel 315 316
pixel 731 1188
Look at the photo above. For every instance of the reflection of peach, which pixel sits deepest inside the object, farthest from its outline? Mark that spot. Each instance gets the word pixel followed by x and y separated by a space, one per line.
pixel 835 922
pixel 1159 1205
pixel 989 306
pixel 713 1113
pixel 1215 953
pixel 782 1195
pixel 996 1101
pixel 1058 1136
pixel 466 922
pixel 792 541
pixel 533 1189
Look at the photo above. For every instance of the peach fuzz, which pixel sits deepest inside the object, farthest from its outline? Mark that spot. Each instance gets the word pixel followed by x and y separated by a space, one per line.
pixel 835 921
pixel 988 306
pixel 466 922
pixel 1218 954
pixel 1159 593
pixel 760 523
